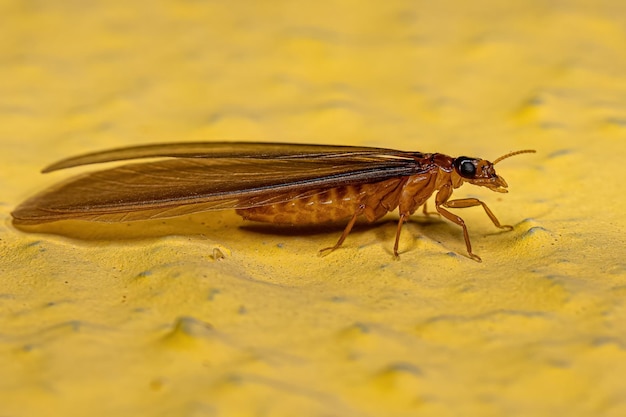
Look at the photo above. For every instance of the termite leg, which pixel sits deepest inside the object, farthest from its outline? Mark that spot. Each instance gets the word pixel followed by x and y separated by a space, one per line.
pixel 345 233
pixel 471 202
pixel 456 219
pixel 403 218
pixel 426 212
pixel 440 201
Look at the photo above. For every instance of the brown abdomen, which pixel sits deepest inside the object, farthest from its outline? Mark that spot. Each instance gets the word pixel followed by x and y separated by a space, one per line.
pixel 326 206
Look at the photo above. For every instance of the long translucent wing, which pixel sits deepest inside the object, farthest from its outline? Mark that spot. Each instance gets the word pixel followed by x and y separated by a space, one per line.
pixel 258 150
pixel 172 187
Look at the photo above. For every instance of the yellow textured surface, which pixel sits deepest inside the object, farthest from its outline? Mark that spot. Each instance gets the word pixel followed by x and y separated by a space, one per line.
pixel 140 320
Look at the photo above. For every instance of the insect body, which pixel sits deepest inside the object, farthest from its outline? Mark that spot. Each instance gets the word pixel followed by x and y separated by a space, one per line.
pixel 269 182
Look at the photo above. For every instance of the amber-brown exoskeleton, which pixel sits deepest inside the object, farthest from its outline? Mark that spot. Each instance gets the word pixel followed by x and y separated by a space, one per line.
pixel 278 183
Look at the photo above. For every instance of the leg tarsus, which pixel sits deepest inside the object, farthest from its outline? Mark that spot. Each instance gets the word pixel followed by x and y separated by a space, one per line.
pixel 346 232
pixel 475 257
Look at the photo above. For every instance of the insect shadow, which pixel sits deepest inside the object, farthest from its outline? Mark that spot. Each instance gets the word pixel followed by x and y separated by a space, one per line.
pixel 216 225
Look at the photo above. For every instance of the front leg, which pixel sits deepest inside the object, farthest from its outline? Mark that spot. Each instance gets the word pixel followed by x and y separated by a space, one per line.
pixel 472 202
pixel 442 201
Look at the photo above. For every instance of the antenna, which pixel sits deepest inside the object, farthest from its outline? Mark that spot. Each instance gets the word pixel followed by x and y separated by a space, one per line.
pixel 510 154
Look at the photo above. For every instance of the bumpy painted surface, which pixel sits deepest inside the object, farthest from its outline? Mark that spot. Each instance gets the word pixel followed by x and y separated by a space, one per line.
pixel 140 319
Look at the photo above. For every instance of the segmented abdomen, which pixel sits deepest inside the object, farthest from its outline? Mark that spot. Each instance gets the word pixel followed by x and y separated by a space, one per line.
pixel 326 206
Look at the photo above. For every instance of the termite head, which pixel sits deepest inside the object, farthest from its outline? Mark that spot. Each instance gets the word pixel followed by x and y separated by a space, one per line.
pixel 481 172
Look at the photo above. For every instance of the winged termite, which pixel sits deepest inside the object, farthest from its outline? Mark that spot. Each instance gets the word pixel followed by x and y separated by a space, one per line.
pixel 278 183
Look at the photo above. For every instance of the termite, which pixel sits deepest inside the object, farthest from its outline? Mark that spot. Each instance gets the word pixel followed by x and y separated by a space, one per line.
pixel 280 183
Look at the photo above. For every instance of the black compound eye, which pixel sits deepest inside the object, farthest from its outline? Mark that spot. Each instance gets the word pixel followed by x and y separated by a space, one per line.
pixel 466 167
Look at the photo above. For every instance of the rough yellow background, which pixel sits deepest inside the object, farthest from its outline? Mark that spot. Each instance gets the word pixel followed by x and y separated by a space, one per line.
pixel 140 320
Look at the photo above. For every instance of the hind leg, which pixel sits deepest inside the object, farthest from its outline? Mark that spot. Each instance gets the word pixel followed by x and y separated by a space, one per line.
pixel 345 233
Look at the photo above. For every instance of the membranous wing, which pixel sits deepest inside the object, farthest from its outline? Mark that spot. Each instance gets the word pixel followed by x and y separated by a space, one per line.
pixel 208 176
pixel 256 150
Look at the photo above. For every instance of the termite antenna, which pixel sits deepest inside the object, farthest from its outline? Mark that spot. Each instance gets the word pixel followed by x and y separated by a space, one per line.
pixel 510 154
